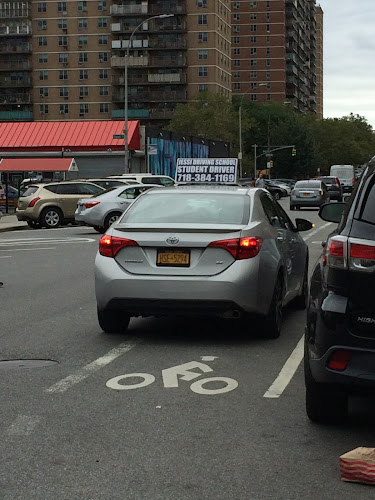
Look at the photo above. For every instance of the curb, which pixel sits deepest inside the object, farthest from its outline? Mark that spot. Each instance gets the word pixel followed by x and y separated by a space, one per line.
pixel 13 228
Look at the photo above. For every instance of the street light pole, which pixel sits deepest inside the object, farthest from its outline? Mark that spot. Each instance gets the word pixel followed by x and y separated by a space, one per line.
pixel 126 62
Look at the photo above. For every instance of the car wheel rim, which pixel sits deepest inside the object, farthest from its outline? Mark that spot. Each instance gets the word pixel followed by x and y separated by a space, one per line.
pixel 113 219
pixel 52 218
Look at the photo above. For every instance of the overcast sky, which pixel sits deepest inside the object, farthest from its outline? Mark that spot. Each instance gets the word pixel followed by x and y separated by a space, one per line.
pixel 349 58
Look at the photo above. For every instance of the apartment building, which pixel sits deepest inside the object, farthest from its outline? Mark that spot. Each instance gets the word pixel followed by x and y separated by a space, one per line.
pixel 319 61
pixel 66 59
pixel 274 51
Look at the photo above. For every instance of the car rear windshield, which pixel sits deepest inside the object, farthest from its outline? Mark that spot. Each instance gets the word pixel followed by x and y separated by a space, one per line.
pixel 30 191
pixel 189 208
pixel 328 180
pixel 307 184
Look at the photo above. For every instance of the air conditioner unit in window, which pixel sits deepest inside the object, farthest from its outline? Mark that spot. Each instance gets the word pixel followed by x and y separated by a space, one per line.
pixel 65 13
pixel 81 96
pixel 62 112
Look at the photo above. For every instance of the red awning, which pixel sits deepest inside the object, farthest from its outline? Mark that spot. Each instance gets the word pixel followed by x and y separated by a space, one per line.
pixel 38 165
pixel 73 135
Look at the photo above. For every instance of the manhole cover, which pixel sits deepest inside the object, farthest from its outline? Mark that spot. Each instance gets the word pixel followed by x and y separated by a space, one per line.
pixel 26 363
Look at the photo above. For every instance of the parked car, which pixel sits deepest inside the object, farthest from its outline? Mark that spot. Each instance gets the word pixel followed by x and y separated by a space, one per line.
pixel 105 182
pixel 144 178
pixel 12 196
pixel 283 186
pixel 289 182
pixel 308 193
pixel 277 191
pixel 333 186
pixel 222 251
pixel 102 210
pixel 340 331
pixel 53 204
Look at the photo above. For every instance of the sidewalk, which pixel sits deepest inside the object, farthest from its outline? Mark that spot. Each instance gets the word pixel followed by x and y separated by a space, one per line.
pixel 10 223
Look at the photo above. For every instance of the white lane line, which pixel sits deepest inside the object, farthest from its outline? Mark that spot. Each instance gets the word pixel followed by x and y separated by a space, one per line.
pixel 44 241
pixel 91 368
pixel 28 249
pixel 286 373
pixel 5 256
pixel 317 230
pixel 23 425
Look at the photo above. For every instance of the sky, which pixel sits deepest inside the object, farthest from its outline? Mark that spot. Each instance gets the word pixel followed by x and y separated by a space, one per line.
pixel 349 58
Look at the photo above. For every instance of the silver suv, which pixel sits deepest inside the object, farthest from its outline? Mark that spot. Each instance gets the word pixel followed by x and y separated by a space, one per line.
pixel 53 204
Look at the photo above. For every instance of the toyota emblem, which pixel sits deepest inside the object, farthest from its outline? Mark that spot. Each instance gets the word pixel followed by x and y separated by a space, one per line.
pixel 172 240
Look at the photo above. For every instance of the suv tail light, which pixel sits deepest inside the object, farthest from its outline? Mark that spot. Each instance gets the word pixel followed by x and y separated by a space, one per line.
pixel 109 246
pixel 240 248
pixel 339 360
pixel 337 181
pixel 91 204
pixel 353 180
pixel 358 253
pixel 33 201
pixel 362 257
pixel 336 252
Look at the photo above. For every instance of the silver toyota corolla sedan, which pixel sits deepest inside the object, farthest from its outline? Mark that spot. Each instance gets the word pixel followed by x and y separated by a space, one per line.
pixel 102 211
pixel 222 251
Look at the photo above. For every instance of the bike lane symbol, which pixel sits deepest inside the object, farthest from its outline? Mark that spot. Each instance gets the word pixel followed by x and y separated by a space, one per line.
pixel 171 377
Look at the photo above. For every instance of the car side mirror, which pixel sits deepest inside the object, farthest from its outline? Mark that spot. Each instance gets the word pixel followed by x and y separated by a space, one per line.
pixel 332 212
pixel 303 225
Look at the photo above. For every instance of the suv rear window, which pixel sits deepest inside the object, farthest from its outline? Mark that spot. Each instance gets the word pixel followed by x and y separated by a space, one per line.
pixel 30 190
pixel 307 184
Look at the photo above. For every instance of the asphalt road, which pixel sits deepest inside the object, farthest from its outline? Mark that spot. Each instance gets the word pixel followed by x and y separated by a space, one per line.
pixel 74 430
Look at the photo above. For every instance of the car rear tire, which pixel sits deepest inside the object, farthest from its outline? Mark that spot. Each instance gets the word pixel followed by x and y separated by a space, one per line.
pixel 325 404
pixel 110 219
pixel 99 229
pixel 300 302
pixel 273 321
pixel 112 321
pixel 33 224
pixel 51 218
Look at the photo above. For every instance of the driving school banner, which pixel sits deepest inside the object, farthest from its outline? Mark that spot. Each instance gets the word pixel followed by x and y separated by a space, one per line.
pixel 206 170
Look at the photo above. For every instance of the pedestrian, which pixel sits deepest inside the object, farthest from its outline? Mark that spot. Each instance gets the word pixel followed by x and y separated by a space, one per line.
pixel 260 181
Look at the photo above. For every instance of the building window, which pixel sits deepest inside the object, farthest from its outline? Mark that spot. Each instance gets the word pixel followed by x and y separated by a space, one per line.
pixel 253 86
pixel 102 5
pixel 236 40
pixel 61 6
pixel 268 16
pixel 42 58
pixel 83 92
pixel 43 75
pixel 268 28
pixel 236 63
pixel 253 16
pixel 268 62
pixel 42 6
pixel 253 62
pixel 83 74
pixel 253 39
pixel 202 87
pixel 236 74
pixel 83 109
pixel 203 54
pixel 268 4
pixel 268 97
pixel 64 92
pixel 62 24
pixel 103 74
pixel 63 74
pixel 63 41
pixel 103 39
pixel 83 57
pixel 43 92
pixel 253 27
pixel 203 71
pixel 268 51
pixel 253 74
pixel 82 40
pixel 103 57
pixel 268 75
pixel 202 3
pixel 253 50
pixel 237 86
pixel 202 36
pixel 202 19
pixel 63 58
pixel 103 107
pixel 236 28
pixel 235 5
pixel 42 24
pixel 236 52
pixel 103 91
pixel 82 6
pixel 268 39
pixel 82 23
pixel 236 17
pixel 43 109
pixel 102 22
pixel 268 86
pixel 42 41
pixel 64 109
pixel 253 97
pixel 253 5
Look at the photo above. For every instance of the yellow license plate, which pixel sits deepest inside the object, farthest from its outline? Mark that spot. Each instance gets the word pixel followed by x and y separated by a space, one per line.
pixel 306 194
pixel 180 258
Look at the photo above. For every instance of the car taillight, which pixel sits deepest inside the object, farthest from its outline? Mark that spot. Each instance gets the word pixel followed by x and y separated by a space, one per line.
pixel 353 180
pixel 33 201
pixel 362 257
pixel 109 246
pixel 320 192
pixel 339 360
pixel 240 248
pixel 91 204
pixel 337 181
pixel 336 252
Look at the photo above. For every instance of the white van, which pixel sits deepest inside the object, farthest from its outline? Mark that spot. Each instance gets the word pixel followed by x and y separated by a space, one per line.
pixel 345 174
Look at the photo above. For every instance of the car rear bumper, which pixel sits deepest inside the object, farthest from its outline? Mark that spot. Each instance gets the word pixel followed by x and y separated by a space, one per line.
pixel 24 216
pixel 306 202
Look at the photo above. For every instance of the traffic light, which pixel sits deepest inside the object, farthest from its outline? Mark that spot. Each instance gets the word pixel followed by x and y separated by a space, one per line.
pixel 294 152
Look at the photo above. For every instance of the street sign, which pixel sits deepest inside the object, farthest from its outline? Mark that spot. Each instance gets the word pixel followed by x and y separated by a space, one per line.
pixel 119 136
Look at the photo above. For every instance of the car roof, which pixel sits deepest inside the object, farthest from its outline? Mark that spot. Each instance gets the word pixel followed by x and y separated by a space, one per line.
pixel 207 188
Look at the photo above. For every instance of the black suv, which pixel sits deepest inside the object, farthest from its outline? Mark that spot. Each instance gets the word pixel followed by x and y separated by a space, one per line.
pixel 340 331
pixel 334 187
